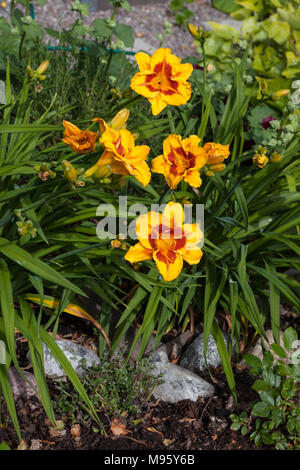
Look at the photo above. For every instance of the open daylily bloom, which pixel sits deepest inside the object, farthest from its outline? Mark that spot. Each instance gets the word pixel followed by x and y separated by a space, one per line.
pixel 123 156
pixel 162 79
pixel 215 155
pixel 80 141
pixel 181 159
pixel 167 240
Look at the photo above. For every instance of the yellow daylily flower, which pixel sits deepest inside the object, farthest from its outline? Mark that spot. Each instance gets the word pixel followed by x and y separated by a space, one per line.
pixel 80 141
pixel 181 160
pixel 162 79
pixel 215 155
pixel 123 156
pixel 167 240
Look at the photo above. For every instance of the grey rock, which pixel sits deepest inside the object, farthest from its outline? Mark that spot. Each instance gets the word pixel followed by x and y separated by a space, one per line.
pixel 177 383
pixel 80 358
pixel 193 356
pixel 22 388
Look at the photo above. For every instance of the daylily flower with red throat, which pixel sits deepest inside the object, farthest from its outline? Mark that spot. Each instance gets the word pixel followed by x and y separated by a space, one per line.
pixel 216 154
pixel 167 240
pixel 162 79
pixel 80 141
pixel 181 159
pixel 123 156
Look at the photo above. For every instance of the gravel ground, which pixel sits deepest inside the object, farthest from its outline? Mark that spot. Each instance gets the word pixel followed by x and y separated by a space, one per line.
pixel 147 21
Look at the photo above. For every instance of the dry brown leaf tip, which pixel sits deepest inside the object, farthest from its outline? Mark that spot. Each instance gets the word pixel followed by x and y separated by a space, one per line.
pixel 118 428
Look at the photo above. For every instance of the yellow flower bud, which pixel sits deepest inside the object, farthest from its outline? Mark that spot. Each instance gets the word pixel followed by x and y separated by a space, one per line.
pixel 276 157
pixel 115 243
pixel 69 171
pixel 208 172
pixel 120 119
pixel 124 246
pixel 43 67
pixel 103 171
pixel 193 30
pixel 280 93
pixel 210 68
pixel 3 4
pixel 218 167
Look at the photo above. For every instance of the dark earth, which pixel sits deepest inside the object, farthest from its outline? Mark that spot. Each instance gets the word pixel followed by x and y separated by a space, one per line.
pixel 204 425
pixel 185 426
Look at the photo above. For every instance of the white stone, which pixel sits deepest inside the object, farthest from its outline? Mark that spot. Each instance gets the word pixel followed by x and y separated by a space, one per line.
pixel 80 358
pixel 178 383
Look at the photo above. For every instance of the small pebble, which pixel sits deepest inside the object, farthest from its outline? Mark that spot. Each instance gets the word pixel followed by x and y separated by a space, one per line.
pixel 76 431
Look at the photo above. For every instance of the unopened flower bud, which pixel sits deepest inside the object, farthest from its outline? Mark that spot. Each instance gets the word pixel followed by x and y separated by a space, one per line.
pixel 120 119
pixel 69 171
pixel 276 157
pixel 280 93
pixel 193 30
pixel 115 243
pixel 43 67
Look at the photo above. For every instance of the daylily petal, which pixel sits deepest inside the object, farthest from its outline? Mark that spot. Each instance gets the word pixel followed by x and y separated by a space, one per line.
pixel 193 235
pixel 141 86
pixel 142 173
pixel 160 55
pixel 158 103
pixel 70 129
pixel 193 178
pixel 158 164
pixel 102 124
pixel 192 256
pixel 138 253
pixel 182 95
pixel 169 270
pixel 119 167
pixel 173 216
pixel 173 179
pixel 143 61
pixel 147 228
pixel 182 72
pixel 139 153
pixel 106 157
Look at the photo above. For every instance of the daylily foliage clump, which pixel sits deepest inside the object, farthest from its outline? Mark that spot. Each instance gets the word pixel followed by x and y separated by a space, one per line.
pixel 163 80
